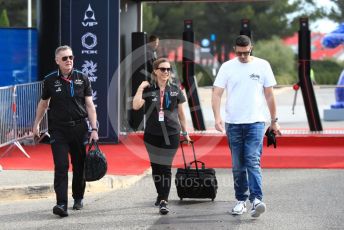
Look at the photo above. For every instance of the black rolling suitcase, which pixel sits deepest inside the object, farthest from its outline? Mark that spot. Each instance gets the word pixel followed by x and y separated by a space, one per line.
pixel 195 182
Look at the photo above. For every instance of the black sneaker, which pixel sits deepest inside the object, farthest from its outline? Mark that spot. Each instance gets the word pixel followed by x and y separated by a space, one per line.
pixel 60 210
pixel 157 202
pixel 163 209
pixel 78 204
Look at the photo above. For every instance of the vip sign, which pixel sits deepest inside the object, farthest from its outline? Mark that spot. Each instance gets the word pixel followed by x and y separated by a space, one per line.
pixel 89 41
pixel 89 17
pixel 93 31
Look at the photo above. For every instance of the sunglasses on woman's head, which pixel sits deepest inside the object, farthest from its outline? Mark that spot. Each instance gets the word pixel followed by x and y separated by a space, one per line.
pixel 65 58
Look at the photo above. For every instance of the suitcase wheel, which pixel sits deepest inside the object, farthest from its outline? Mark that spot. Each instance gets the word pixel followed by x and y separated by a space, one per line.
pixel 181 198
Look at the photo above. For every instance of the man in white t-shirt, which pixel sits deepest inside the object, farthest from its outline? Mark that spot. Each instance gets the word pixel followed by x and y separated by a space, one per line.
pixel 249 82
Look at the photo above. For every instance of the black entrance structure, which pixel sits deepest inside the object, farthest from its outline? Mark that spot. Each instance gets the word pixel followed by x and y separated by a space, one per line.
pixel 305 82
pixel 100 32
pixel 92 30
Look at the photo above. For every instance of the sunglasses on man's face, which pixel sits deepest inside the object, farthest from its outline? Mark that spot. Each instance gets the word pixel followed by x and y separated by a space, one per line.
pixel 162 69
pixel 65 58
pixel 237 53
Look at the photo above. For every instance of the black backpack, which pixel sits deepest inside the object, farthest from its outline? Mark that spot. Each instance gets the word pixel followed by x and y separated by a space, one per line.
pixel 95 163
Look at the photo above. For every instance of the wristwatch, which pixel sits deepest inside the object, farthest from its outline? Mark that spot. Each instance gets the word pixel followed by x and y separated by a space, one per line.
pixel 274 120
pixel 185 133
pixel 95 129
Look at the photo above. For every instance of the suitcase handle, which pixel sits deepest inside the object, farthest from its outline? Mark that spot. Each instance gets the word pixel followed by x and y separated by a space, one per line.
pixel 186 141
pixel 194 154
pixel 196 162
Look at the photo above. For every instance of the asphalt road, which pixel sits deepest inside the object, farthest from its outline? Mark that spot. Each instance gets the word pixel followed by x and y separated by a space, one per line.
pixel 295 199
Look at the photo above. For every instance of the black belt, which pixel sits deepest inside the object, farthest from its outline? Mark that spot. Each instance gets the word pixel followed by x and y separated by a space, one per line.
pixel 69 123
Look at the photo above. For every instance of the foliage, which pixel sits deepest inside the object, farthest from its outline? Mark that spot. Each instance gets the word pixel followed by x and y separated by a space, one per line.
pixel 203 74
pixel 267 18
pixel 281 58
pixel 17 11
pixel 327 71
pixel 337 14
pixel 151 20
pixel 4 22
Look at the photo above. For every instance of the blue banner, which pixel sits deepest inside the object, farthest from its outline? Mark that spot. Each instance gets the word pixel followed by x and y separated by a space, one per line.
pixel 91 28
pixel 18 56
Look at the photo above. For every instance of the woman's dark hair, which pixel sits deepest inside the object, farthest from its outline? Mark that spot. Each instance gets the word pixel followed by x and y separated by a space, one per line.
pixel 242 40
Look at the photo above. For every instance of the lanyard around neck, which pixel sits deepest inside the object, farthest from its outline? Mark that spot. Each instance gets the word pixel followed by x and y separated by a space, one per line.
pixel 70 84
pixel 162 92
pixel 167 99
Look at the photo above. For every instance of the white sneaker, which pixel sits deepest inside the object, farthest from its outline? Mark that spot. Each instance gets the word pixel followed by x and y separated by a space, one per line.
pixel 239 208
pixel 258 207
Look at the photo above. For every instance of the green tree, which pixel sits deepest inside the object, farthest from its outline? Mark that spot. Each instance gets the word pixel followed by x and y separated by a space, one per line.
pixel 267 18
pixel 337 13
pixel 151 20
pixel 172 15
pixel 17 11
pixel 327 71
pixel 281 58
pixel 4 22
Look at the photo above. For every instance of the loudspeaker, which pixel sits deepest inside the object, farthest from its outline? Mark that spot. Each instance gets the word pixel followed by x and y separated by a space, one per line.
pixel 138 39
pixel 139 74
pixel 189 76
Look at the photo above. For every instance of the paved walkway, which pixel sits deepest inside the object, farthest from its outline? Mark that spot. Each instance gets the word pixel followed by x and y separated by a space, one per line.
pixel 28 184
pixel 296 199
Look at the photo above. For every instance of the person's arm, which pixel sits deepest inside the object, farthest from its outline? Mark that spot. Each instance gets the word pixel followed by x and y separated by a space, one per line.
pixel 182 121
pixel 92 117
pixel 41 110
pixel 270 99
pixel 215 103
pixel 138 101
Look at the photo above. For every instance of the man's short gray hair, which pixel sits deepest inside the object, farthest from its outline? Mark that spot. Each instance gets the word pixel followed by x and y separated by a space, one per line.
pixel 62 48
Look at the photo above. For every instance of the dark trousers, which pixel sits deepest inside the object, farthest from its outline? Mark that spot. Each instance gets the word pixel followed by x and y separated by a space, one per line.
pixel 71 140
pixel 161 157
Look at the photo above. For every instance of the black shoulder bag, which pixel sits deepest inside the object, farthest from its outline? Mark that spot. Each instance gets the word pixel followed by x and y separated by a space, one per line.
pixel 95 163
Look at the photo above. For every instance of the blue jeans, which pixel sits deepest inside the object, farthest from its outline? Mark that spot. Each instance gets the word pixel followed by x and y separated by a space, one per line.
pixel 246 144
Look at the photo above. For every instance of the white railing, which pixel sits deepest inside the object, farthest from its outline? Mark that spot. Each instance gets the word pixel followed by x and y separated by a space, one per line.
pixel 18 104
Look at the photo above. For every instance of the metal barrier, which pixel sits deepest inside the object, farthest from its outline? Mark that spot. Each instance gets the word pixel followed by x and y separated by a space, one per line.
pixel 6 115
pixel 18 106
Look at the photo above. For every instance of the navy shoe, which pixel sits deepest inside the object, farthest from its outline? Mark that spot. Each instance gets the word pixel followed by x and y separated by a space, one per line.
pixel 60 210
pixel 78 204
pixel 163 209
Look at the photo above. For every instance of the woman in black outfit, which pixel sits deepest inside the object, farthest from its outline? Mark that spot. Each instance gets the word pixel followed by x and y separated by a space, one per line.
pixel 165 120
